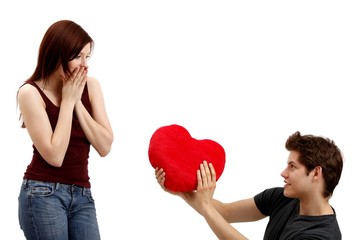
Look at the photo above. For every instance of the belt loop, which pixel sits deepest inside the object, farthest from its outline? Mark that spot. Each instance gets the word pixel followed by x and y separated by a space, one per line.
pixel 25 182
pixel 57 185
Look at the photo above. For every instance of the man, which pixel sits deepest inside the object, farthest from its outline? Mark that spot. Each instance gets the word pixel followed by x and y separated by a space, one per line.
pixel 299 210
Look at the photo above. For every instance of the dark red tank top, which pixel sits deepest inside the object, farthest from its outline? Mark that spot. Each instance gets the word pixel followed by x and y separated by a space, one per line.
pixel 74 169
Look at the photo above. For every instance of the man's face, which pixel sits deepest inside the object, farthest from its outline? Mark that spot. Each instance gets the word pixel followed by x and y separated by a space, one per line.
pixel 298 183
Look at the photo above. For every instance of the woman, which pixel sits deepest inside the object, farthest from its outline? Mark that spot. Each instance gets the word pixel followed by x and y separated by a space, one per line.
pixel 64 112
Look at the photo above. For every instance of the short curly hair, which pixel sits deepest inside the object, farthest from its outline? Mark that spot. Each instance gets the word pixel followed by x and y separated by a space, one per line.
pixel 318 151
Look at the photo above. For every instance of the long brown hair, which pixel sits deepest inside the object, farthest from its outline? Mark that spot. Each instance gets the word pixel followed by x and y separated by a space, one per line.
pixel 62 42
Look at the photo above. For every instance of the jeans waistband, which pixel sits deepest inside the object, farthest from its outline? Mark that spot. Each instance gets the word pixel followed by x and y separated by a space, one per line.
pixel 56 185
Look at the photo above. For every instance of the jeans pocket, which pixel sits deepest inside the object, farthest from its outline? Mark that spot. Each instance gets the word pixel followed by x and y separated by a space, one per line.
pixel 41 189
pixel 87 193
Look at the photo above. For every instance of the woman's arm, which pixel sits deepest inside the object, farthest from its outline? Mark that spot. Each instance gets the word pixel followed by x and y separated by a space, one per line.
pixel 97 128
pixel 52 145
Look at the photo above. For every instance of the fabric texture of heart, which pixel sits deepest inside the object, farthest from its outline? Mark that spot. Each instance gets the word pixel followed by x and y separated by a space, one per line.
pixel 180 155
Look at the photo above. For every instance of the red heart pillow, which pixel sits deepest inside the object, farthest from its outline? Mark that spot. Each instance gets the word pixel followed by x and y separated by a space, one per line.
pixel 173 149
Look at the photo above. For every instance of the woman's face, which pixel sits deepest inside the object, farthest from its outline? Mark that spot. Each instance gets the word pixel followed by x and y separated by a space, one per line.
pixel 81 59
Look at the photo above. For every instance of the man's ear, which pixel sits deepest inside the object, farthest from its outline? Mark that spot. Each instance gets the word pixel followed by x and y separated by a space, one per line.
pixel 317 172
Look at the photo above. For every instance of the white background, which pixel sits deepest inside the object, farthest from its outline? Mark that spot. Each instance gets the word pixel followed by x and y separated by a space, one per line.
pixel 246 74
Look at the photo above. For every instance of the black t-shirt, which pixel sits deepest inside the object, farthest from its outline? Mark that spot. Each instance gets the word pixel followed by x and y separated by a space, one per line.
pixel 285 223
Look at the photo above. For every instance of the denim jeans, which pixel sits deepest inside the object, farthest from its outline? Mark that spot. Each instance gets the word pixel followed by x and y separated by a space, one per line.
pixel 54 211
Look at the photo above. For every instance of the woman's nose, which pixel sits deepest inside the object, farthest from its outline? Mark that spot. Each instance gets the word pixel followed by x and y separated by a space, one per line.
pixel 84 62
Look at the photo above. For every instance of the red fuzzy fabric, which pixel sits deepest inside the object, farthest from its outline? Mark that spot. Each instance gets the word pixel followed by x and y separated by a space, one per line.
pixel 179 154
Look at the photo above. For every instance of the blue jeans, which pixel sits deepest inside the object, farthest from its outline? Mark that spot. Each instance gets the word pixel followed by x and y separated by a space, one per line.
pixel 54 211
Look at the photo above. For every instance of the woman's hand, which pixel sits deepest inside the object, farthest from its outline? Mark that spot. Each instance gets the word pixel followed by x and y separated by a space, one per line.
pixel 74 84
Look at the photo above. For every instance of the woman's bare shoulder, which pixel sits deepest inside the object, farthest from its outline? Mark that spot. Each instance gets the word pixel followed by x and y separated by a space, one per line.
pixel 26 91
pixel 94 87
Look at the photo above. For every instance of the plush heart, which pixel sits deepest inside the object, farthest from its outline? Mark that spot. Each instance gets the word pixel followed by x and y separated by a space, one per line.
pixel 180 155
